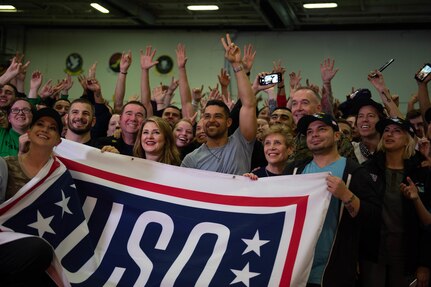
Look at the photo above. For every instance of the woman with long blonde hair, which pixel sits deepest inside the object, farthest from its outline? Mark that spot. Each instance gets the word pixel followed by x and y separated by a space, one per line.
pixel 401 254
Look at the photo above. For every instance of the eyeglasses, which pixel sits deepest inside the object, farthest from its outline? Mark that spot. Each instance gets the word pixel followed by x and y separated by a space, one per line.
pixel 17 111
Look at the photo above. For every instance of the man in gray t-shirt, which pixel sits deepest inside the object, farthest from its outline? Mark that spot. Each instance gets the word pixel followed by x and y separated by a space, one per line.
pixel 222 153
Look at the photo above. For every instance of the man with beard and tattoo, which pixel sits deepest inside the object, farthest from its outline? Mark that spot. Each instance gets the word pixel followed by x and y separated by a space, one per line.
pixel 223 153
pixel 80 119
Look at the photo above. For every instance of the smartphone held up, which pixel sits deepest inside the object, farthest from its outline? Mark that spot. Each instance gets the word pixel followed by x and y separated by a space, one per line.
pixel 423 73
pixel 382 68
pixel 269 79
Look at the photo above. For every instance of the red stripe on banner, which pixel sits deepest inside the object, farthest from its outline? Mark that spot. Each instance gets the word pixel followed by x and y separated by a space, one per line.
pixel 11 204
pixel 301 211
pixel 301 203
pixel 180 192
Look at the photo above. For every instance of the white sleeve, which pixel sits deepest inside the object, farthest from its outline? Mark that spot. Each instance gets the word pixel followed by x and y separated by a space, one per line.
pixel 3 179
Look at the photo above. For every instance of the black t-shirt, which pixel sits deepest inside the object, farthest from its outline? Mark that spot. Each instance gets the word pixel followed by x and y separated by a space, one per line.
pixel 119 144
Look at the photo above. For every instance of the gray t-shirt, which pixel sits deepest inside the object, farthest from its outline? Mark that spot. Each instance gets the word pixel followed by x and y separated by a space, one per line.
pixel 232 158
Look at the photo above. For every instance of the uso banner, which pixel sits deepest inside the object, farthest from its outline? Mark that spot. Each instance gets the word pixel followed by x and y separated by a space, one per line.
pixel 142 223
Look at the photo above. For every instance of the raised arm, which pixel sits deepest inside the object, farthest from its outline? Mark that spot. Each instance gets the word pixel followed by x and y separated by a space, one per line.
pixel 185 92
pixel 120 86
pixel 224 81
pixel 247 120
pixel 327 72
pixel 20 78
pixel 35 83
pixel 248 58
pixel 423 96
pixel 11 72
pixel 377 80
pixel 294 83
pixel 281 94
pixel 147 63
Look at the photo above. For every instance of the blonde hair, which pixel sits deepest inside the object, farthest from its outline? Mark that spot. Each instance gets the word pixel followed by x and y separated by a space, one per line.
pixel 282 130
pixel 409 149
pixel 170 154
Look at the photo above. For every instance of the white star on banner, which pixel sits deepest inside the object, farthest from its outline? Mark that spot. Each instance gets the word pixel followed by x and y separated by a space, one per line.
pixel 243 275
pixel 63 204
pixel 254 244
pixel 42 224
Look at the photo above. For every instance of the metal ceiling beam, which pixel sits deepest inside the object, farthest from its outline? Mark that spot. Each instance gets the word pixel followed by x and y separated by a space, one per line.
pixel 256 6
pixel 284 12
pixel 134 10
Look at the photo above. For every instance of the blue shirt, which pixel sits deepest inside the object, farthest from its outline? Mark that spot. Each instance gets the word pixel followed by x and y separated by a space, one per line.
pixel 327 236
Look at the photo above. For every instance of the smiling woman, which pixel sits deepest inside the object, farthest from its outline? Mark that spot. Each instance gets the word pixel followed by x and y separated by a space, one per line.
pixel 20 254
pixel 155 141
pixel 19 116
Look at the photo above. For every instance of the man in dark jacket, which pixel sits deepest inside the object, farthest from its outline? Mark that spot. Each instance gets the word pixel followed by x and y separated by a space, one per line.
pixel 354 208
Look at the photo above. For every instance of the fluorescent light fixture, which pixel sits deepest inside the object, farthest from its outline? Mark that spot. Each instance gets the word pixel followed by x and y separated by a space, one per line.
pixel 7 8
pixel 320 5
pixel 202 7
pixel 99 8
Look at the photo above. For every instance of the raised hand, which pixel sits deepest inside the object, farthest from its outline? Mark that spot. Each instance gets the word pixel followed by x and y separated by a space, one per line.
pixel 11 72
pixel 214 94
pixel 228 101
pixel 327 70
pixel 125 62
pixel 173 86
pixel 257 87
pixel 409 190
pixel 295 80
pixel 278 68
pixel 92 71
pixel 223 78
pixel 181 55
pixel 197 94
pixel 312 86
pixel 36 80
pixel 248 58
pixel 46 90
pixel 83 81
pixel 67 85
pixel 232 51
pixel 147 61
pixel 377 80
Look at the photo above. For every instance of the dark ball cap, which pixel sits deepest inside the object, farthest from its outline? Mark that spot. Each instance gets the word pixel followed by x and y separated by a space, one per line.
pixel 306 120
pixel 348 107
pixel 405 125
pixel 358 103
pixel 51 113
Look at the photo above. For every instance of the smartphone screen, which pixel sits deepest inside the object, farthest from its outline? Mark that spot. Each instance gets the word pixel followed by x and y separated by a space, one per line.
pixel 423 73
pixel 270 79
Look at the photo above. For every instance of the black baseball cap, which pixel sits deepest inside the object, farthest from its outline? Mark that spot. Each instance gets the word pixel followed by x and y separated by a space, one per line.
pixel 51 113
pixel 405 125
pixel 358 103
pixel 306 120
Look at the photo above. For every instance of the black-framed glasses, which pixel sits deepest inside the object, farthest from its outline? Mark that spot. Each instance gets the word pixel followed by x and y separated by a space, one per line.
pixel 17 111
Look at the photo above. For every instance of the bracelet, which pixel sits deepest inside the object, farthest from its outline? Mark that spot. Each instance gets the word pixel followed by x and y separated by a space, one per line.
pixel 237 69
pixel 124 73
pixel 350 200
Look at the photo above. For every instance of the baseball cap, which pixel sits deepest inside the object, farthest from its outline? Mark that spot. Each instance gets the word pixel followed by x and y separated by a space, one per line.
pixel 48 112
pixel 306 120
pixel 405 125
pixel 358 103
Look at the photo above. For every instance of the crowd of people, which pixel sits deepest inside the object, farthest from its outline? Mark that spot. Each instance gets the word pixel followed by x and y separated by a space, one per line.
pixel 377 229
